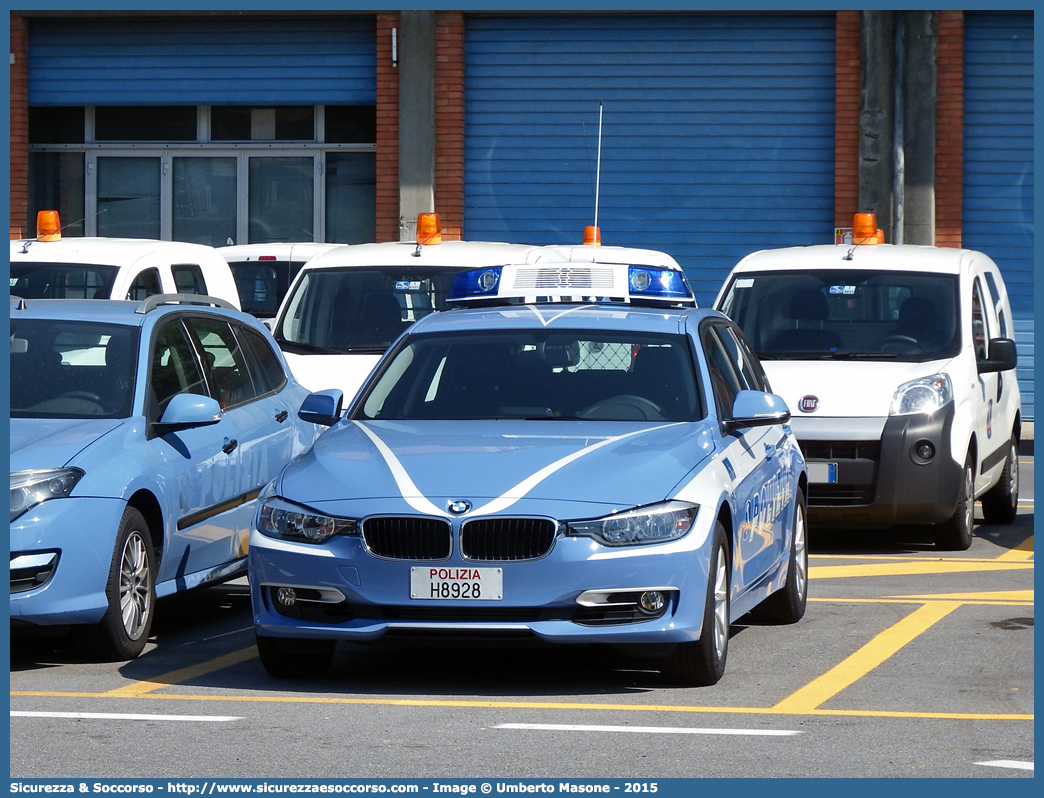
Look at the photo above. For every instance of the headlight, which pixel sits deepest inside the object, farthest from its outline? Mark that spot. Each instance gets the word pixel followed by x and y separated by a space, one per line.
pixel 280 519
pixel 30 488
pixel 922 396
pixel 655 523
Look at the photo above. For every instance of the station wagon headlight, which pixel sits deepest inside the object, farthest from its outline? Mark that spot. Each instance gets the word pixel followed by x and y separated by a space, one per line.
pixel 30 488
pixel 281 519
pixel 925 395
pixel 654 523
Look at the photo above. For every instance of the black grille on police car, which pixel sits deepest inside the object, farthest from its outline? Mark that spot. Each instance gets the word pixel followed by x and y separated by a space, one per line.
pixel 500 539
pixel 408 538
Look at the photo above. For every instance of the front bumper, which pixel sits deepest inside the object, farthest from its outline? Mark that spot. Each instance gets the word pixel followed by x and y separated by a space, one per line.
pixel 539 596
pixel 882 482
pixel 82 533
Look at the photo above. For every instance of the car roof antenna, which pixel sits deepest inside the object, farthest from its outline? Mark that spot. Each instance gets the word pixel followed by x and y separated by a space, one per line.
pixel 598 167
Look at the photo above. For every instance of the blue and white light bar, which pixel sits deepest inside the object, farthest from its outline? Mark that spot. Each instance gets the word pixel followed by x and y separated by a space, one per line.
pixel 572 282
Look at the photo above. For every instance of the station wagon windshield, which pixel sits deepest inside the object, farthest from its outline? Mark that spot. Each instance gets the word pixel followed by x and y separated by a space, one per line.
pixel 72 369
pixel 359 310
pixel 847 314
pixel 540 375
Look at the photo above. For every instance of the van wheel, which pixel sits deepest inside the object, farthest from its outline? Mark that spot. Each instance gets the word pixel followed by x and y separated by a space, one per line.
pixel 787 605
pixel 131 593
pixel 956 533
pixel 702 662
pixel 1000 504
pixel 286 658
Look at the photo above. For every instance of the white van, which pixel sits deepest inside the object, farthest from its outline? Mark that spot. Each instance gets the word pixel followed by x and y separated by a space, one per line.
pixel 52 267
pixel 263 272
pixel 898 365
pixel 347 305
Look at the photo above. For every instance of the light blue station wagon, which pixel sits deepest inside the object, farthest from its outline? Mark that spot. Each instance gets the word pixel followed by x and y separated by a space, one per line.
pixel 141 437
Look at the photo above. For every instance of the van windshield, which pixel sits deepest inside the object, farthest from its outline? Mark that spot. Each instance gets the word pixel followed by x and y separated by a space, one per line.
pixel 31 280
pixel 846 314
pixel 359 310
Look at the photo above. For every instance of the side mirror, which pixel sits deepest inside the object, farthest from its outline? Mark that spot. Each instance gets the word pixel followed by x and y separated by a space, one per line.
pixel 188 410
pixel 322 407
pixel 757 409
pixel 1002 357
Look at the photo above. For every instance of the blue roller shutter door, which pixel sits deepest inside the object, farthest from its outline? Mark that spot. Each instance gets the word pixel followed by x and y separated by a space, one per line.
pixel 320 61
pixel 998 163
pixel 718 132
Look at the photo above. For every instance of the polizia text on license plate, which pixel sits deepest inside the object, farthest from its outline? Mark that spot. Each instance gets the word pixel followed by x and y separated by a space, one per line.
pixel 473 584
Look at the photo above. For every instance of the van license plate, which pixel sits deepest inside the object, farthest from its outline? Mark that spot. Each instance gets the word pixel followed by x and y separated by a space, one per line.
pixel 466 584
pixel 822 473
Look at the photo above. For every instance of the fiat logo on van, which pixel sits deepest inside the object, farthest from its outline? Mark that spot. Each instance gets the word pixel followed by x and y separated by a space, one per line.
pixel 808 404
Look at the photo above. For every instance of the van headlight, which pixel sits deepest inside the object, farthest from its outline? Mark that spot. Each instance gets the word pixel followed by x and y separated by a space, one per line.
pixel 654 523
pixel 287 521
pixel 925 395
pixel 30 488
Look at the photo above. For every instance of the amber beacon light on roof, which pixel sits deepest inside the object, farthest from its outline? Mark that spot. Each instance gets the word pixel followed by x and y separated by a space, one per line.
pixel 48 226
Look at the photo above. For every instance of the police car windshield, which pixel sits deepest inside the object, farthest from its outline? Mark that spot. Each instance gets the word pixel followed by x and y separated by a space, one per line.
pixel 72 369
pixel 542 375
pixel 359 310
pixel 846 314
pixel 31 280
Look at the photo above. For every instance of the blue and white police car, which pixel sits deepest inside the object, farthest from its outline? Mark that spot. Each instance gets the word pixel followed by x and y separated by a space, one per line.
pixel 533 466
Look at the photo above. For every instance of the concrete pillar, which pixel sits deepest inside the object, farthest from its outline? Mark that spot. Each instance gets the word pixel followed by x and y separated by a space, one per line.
pixel 877 118
pixel 919 112
pixel 416 52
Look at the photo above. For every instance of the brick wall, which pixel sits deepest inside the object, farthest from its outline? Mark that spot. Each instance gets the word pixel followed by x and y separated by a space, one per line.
pixel 949 130
pixel 846 120
pixel 449 123
pixel 387 132
pixel 19 127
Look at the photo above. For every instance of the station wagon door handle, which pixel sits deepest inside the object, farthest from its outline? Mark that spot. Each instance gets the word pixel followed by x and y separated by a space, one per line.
pixel 281 416
pixel 230 446
pixel 770 450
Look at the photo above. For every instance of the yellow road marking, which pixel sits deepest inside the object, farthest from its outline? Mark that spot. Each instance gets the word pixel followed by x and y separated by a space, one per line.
pixel 418 702
pixel 865 659
pixel 920 600
pixel 993 596
pixel 1021 553
pixel 137 689
pixel 913 568
pixel 900 558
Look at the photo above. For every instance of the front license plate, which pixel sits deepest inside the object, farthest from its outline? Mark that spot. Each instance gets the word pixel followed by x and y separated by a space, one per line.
pixel 822 473
pixel 468 584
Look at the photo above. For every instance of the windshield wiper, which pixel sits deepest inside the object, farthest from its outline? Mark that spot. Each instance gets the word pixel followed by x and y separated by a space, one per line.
pixel 302 348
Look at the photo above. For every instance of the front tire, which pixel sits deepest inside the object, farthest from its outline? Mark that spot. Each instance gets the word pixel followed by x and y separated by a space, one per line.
pixel 955 534
pixel 1000 504
pixel 701 663
pixel 131 592
pixel 286 658
pixel 787 605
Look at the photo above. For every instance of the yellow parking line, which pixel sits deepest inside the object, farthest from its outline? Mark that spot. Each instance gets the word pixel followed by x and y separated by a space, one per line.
pixel 985 602
pixel 183 674
pixel 865 659
pixel 418 702
pixel 913 568
pixel 1021 553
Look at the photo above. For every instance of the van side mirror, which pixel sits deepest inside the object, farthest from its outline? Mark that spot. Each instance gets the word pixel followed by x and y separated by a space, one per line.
pixel 322 407
pixel 1002 357
pixel 757 409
